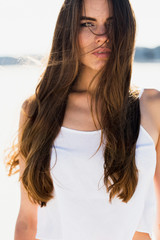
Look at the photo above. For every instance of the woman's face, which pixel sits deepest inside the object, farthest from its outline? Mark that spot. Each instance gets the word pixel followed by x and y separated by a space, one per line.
pixel 93 36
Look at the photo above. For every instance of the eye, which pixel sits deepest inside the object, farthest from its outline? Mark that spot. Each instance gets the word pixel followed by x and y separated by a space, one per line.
pixel 87 24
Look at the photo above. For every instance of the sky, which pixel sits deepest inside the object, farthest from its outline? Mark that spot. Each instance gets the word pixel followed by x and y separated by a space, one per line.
pixel 27 26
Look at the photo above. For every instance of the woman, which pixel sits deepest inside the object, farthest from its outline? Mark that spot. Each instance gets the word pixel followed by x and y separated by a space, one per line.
pixel 87 159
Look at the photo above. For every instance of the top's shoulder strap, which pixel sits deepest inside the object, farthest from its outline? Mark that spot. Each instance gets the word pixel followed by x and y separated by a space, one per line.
pixel 141 92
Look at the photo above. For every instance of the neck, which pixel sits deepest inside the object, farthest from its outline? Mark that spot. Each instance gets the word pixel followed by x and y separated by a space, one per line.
pixel 84 79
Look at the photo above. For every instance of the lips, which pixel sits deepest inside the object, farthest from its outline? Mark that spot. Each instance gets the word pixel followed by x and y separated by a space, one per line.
pixel 102 52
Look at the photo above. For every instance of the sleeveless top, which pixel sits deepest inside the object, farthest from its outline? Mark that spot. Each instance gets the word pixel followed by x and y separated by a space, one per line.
pixel 81 209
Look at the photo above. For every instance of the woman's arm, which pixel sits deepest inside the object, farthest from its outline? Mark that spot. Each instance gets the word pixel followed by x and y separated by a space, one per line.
pixel 157 172
pixel 26 225
pixel 154 105
pixel 157 190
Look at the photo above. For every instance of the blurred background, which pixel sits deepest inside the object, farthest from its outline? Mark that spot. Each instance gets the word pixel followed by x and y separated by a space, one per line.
pixel 27 28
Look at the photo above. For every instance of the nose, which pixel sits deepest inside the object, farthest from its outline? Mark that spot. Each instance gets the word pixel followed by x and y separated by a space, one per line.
pixel 101 38
pixel 101 35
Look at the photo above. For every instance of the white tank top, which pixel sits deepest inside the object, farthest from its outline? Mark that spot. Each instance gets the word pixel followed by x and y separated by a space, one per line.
pixel 81 208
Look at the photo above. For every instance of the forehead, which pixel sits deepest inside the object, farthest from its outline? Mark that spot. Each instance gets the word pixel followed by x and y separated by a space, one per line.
pixel 97 8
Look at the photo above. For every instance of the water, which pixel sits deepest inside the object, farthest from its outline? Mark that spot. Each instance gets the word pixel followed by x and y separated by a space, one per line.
pixel 146 75
pixel 17 83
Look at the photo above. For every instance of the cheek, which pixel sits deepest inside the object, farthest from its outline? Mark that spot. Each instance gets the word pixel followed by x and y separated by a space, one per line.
pixel 85 41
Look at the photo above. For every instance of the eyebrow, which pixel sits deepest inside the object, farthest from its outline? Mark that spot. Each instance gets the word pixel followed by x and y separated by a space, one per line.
pixel 92 19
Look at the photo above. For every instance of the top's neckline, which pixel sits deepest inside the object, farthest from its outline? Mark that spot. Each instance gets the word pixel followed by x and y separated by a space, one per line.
pixel 80 131
pixel 98 131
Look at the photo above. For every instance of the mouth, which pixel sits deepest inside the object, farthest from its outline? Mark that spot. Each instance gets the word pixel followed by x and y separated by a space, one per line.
pixel 102 52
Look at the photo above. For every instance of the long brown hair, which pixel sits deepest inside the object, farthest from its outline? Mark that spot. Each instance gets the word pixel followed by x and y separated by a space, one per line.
pixel 119 109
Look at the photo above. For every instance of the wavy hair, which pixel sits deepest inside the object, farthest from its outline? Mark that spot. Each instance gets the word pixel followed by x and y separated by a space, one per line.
pixel 116 104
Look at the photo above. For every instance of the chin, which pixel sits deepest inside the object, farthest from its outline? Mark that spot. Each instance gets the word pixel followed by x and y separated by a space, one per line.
pixel 97 68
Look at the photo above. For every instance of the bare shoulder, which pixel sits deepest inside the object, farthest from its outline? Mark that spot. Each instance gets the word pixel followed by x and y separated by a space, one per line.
pixel 29 105
pixel 151 99
pixel 152 94
pixel 27 110
pixel 23 120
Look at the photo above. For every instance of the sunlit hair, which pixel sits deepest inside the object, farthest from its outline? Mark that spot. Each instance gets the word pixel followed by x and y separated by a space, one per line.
pixel 116 104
